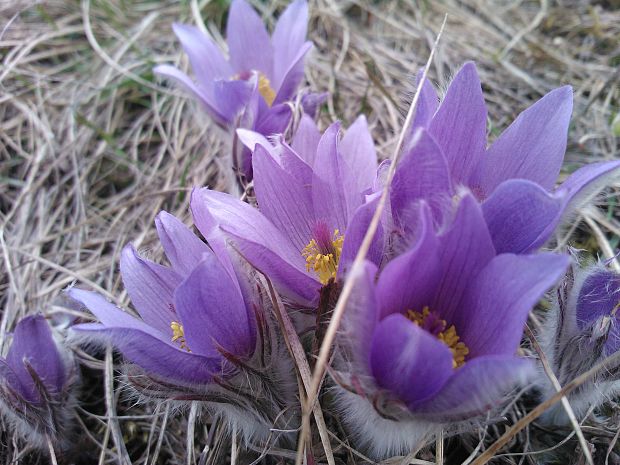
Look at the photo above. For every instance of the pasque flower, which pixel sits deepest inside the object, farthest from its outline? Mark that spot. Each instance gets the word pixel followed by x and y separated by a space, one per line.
pixel 433 341
pixel 200 328
pixel 312 210
pixel 37 381
pixel 582 328
pixel 514 178
pixel 250 88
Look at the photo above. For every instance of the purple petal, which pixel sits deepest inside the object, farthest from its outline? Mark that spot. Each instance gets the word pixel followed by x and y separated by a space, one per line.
pixel 521 216
pixel 358 150
pixel 206 100
pixel 497 304
pixel 112 316
pixel 288 38
pixel 465 249
pixel 306 139
pixel 292 76
pixel 362 316
pixel 408 361
pixel 249 44
pixel 282 199
pixel 33 343
pixel 334 191
pixel 409 281
pixel 211 309
pixel 586 182
pixel 252 138
pixel 598 298
pixel 460 124
pixel 356 231
pixel 427 103
pixel 296 166
pixel 182 247
pixel 150 287
pixel 311 101
pixel 475 388
pixel 152 354
pixel 275 120
pixel 208 63
pixel 533 146
pixel 232 96
pixel 257 239
pixel 422 174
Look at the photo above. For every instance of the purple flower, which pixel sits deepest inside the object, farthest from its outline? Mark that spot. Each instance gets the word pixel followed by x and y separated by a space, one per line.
pixel 582 328
pixel 190 312
pixel 312 210
pixel 514 178
pixel 204 334
pixel 434 340
pixel 36 381
pixel 251 88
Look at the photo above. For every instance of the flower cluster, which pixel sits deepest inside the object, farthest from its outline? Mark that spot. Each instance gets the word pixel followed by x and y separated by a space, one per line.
pixel 431 333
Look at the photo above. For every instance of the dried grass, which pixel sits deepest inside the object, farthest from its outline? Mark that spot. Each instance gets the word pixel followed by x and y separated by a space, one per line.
pixel 92 147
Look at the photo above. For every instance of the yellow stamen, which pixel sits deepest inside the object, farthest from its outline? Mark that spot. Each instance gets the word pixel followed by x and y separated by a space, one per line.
pixel 178 335
pixel 324 263
pixel 437 328
pixel 265 89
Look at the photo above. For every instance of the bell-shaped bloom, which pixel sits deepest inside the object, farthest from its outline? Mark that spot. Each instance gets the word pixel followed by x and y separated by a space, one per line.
pixel 514 178
pixel 436 336
pixel 190 313
pixel 312 210
pixel 36 382
pixel 582 328
pixel 251 88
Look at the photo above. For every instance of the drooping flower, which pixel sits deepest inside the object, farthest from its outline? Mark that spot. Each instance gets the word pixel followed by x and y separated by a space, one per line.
pixel 312 210
pixel 201 326
pixel 37 383
pixel 251 88
pixel 514 178
pixel 433 341
pixel 582 328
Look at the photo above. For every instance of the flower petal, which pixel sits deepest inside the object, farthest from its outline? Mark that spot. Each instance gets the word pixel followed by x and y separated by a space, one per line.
pixel 362 316
pixel 211 309
pixel 293 75
pixel 257 239
pixel 275 120
pixel 33 343
pixel 334 188
pixel 356 231
pixel 533 146
pixel 152 354
pixel 460 124
pixel 497 304
pixel 408 361
pixel 306 139
pixel 282 199
pixel 231 97
pixel 249 44
pixel 208 63
pixel 422 174
pixel 475 388
pixel 410 281
pixel 206 100
pixel 587 182
pixel 150 287
pixel 182 247
pixel 465 249
pixel 427 103
pixel 521 215
pixel 358 150
pixel 288 38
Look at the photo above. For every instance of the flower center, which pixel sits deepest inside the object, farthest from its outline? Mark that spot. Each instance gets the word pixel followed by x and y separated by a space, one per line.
pixel 178 335
pixel 322 254
pixel 430 322
pixel 264 85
